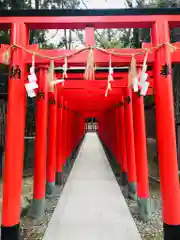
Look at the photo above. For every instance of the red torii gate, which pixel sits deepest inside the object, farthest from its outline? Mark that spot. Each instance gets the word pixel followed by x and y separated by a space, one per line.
pixel 125 135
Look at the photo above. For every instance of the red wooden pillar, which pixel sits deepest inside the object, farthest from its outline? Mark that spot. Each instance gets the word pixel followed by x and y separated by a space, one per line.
pixel 52 142
pixel 123 143
pixel 141 156
pixel 40 146
pixel 109 128
pixel 99 119
pixel 83 133
pixel 71 134
pixel 130 143
pixel 81 128
pixel 60 140
pixel 86 125
pixel 69 129
pixel 114 134
pixel 118 145
pixel 101 125
pixel 65 133
pixel 76 129
pixel 104 130
pixel 166 140
pixel 14 153
pixel 73 121
pixel 75 126
pixel 79 134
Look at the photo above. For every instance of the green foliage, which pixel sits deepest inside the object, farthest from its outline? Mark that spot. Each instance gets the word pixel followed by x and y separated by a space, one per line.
pixel 108 38
pixel 39 36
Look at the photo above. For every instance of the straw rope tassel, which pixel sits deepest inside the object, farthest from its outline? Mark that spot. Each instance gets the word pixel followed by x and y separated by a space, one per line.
pixel 110 75
pixel 172 47
pixel 90 67
pixel 144 67
pixel 65 68
pixel 51 76
pixel 33 64
pixel 132 72
pixel 108 89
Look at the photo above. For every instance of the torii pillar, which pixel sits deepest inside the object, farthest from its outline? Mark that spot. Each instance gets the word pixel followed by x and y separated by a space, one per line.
pixel 65 133
pixel 60 138
pixel 124 173
pixel 38 205
pixel 141 156
pixel 166 138
pixel 52 142
pixel 130 143
pixel 14 153
pixel 118 142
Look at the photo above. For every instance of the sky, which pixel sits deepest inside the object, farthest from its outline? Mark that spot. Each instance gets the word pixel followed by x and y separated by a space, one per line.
pixel 105 4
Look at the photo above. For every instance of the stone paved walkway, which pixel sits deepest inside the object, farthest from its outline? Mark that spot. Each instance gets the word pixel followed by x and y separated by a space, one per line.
pixel 91 206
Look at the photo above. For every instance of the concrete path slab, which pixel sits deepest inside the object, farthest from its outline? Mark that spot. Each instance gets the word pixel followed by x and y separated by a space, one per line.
pixel 91 206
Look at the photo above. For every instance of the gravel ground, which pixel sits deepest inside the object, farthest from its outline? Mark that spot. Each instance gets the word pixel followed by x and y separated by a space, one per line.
pixel 33 229
pixel 152 229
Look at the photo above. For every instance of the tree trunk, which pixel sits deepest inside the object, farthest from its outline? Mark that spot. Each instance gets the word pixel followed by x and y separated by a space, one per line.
pixel 65 39
pixel 70 38
pixel 36 4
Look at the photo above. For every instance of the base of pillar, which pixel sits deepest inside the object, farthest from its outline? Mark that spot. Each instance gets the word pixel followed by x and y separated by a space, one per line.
pixel 171 232
pixel 37 209
pixel 124 179
pixel 11 233
pixel 50 188
pixel 132 191
pixel 59 178
pixel 144 208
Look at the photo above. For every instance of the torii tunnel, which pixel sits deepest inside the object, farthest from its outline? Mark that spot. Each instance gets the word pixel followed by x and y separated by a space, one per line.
pixel 120 115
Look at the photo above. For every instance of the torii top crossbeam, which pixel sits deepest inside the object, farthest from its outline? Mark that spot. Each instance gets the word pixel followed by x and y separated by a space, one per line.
pixel 102 18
